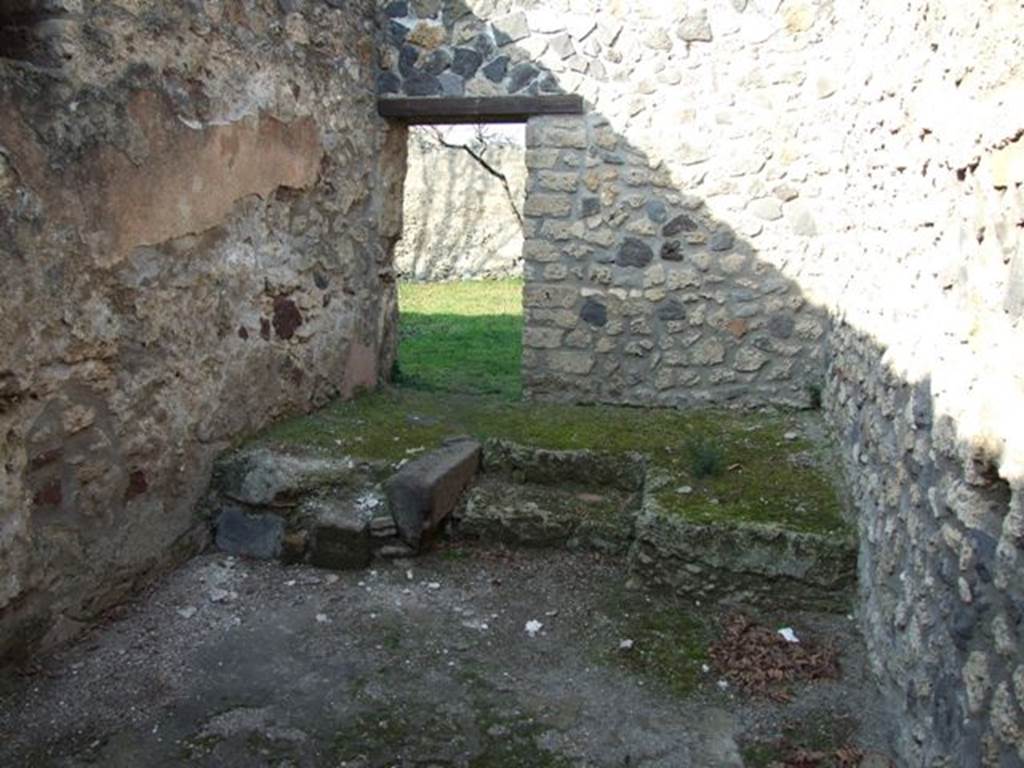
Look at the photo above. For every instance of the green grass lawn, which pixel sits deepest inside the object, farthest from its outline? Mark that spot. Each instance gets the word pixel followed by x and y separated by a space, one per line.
pixel 462 337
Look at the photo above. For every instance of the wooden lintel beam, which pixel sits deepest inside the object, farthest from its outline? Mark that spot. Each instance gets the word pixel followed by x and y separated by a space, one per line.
pixel 472 109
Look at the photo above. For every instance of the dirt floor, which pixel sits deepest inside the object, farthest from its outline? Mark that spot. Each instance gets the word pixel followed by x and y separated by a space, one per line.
pixel 426 663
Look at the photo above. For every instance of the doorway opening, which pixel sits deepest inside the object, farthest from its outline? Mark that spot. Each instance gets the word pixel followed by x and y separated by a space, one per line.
pixel 459 260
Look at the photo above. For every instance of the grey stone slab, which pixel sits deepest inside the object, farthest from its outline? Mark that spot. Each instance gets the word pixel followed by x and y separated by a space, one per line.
pixel 239 532
pixel 426 490
pixel 340 537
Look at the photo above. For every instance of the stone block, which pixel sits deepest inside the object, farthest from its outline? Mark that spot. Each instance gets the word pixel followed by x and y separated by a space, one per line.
pixel 634 253
pixel 556 132
pixel 695 28
pixel 543 338
pixel 541 158
pixel 549 296
pixel 559 182
pixel 240 532
pixel 427 36
pixel 262 477
pixel 539 204
pixel 341 537
pixel 426 490
pixel 571 361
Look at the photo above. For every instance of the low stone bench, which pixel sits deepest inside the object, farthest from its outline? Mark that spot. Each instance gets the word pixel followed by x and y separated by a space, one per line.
pixel 340 513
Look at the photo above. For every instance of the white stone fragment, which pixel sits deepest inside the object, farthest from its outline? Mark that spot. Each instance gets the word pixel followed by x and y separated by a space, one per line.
pixel 533 627
pixel 218 595
pixel 789 635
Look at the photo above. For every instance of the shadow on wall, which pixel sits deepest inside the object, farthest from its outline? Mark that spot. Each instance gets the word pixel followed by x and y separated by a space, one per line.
pixel 459 222
pixel 636 293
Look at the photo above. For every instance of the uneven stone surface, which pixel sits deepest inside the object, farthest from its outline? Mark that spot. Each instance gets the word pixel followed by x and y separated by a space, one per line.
pixel 597 518
pixel 744 540
pixel 608 503
pixel 197 208
pixel 234 663
pixel 745 563
pixel 264 478
pixel 340 536
pixel 297 507
pixel 238 531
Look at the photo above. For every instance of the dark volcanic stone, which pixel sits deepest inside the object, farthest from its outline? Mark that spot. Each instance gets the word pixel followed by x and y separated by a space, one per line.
pixel 549 84
pixel 681 223
pixel 437 62
pixel 722 240
pixel 656 211
pixel 397 32
pixel 389 82
pixel 591 206
pixel 483 45
pixel 241 533
pixel 496 70
pixel 466 62
pixel 397 9
pixel 422 84
pixel 521 76
pixel 672 250
pixel 671 310
pixel 594 313
pixel 634 253
pixel 426 490
pixel 781 326
pixel 407 60
pixel 286 317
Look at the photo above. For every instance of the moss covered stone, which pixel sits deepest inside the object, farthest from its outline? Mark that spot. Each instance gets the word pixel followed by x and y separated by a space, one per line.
pixel 766 526
pixel 767 478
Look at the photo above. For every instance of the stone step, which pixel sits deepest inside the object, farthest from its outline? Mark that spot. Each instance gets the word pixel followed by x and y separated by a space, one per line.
pixel 744 563
pixel 332 512
pixel 584 499
pixel 500 509
pixel 335 513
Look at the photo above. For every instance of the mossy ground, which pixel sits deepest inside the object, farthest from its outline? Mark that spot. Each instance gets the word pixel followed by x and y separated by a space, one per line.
pixel 824 734
pixel 766 478
pixel 669 643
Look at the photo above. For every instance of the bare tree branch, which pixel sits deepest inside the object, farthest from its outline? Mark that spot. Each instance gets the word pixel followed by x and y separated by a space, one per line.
pixel 481 136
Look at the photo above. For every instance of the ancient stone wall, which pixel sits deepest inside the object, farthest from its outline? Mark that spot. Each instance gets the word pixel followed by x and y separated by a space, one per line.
pixel 782 201
pixel 461 221
pixel 652 263
pixel 198 205
pixel 926 373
